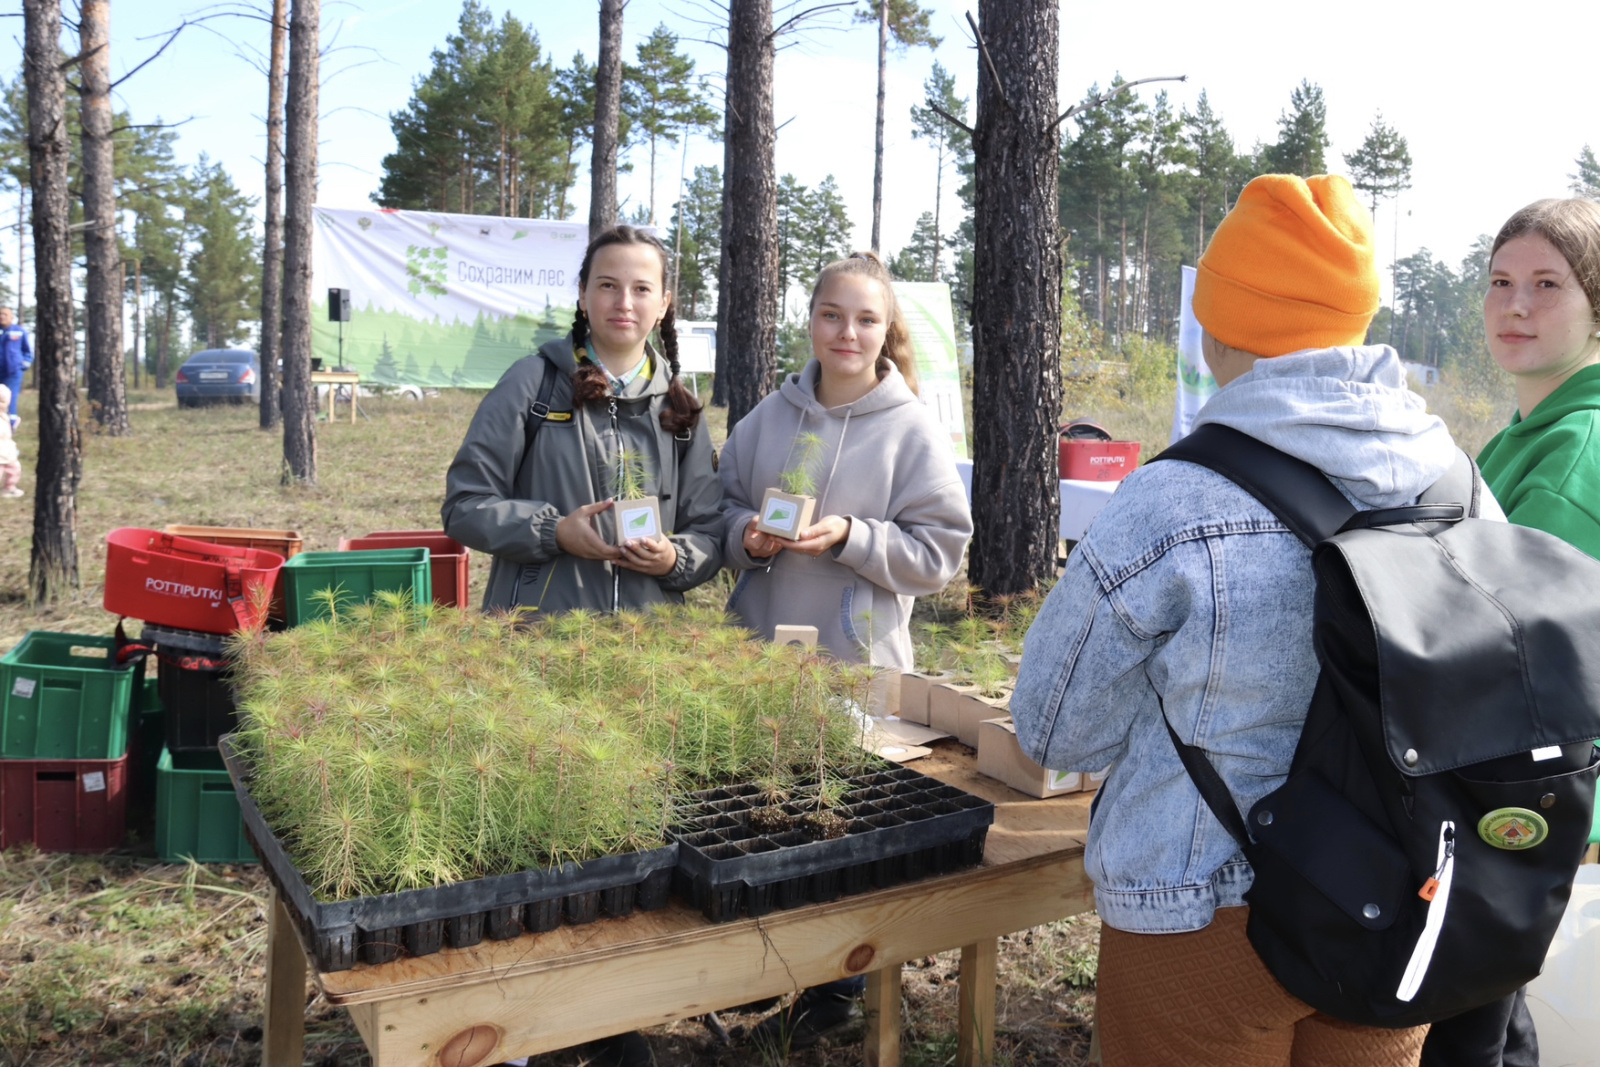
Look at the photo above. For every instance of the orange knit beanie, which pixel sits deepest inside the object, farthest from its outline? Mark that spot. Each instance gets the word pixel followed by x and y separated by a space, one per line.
pixel 1290 267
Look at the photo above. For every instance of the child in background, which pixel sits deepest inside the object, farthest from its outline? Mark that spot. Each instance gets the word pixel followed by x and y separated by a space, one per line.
pixel 10 461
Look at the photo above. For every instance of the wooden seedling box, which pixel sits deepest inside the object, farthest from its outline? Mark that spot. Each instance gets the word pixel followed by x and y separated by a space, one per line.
pixel 1000 756
pixel 945 701
pixel 914 689
pixel 639 517
pixel 784 514
pixel 975 710
pixel 883 699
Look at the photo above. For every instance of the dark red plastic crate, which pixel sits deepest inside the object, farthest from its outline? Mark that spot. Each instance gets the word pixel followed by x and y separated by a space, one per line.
pixel 449 561
pixel 63 805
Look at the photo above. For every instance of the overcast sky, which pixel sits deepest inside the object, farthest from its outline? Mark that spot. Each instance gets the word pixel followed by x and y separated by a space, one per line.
pixel 1495 107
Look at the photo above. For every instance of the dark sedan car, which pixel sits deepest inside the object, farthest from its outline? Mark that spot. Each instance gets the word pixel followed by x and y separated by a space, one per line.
pixel 232 374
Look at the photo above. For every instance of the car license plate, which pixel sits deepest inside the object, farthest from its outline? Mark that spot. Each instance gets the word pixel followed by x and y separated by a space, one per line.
pixel 214 376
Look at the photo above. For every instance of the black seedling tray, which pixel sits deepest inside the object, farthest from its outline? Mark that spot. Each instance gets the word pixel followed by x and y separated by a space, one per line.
pixel 900 826
pixel 419 922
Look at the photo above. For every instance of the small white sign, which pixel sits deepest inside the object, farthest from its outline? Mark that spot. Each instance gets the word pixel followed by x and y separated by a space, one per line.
pixel 638 522
pixel 781 514
pixel 24 687
pixel 94 781
pixel 1541 754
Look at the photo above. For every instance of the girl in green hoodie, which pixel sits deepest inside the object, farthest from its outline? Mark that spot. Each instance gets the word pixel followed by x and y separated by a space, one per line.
pixel 1539 314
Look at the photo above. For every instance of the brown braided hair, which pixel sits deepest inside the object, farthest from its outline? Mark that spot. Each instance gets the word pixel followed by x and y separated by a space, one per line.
pixel 896 338
pixel 590 384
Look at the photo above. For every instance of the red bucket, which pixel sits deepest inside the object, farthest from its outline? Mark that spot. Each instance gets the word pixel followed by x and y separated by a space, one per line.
pixel 186 584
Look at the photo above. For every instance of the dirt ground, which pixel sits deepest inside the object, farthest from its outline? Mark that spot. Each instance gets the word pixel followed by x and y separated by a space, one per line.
pixel 121 960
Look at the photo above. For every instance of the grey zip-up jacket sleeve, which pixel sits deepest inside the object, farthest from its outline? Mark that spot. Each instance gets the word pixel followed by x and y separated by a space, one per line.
pixel 482 508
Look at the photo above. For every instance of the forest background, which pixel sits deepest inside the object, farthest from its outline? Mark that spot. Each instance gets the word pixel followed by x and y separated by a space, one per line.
pixel 498 124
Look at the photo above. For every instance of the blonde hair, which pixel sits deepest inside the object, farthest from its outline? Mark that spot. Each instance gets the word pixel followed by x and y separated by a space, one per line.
pixel 1573 227
pixel 896 339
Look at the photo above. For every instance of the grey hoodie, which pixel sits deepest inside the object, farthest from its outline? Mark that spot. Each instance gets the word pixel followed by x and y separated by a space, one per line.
pixel 570 467
pixel 889 468
pixel 1188 597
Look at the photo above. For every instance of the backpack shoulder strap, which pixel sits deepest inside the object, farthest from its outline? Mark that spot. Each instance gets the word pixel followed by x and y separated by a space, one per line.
pixel 1293 490
pixel 1461 484
pixel 1213 790
pixel 538 414
pixel 1298 494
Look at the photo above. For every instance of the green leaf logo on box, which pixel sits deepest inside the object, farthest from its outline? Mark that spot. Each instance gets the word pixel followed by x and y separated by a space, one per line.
pixel 780 514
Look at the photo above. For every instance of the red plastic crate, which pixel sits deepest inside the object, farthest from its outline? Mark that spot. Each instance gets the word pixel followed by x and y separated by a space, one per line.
pixel 63 805
pixel 189 585
pixel 450 562
pixel 1098 461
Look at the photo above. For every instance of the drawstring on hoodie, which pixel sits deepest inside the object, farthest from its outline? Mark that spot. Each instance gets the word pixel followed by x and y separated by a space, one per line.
pixel 838 450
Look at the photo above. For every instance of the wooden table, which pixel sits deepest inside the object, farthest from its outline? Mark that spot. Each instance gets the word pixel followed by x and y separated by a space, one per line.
pixel 504 999
pixel 333 379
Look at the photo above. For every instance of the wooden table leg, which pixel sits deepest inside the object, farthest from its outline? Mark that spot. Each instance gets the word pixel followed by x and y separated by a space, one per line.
pixel 975 1039
pixel 284 1033
pixel 882 1043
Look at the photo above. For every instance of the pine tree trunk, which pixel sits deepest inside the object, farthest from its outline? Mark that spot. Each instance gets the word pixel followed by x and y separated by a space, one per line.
pixel 272 246
pixel 607 114
pixel 139 340
pixel 1122 277
pixel 938 194
pixel 1100 263
pixel 53 566
pixel 1016 299
pixel 300 157
pixel 877 154
pixel 108 393
pixel 748 286
pixel 652 180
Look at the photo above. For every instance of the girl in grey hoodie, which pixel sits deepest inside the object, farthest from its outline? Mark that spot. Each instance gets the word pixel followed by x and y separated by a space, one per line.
pixel 890 524
pixel 891 519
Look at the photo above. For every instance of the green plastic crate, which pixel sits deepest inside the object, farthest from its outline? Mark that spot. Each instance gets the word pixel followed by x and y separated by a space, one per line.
pixel 356 576
pixel 147 739
pixel 197 811
pixel 64 697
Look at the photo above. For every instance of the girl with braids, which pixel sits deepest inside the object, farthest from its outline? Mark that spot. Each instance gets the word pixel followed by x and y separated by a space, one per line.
pixel 542 457
pixel 892 520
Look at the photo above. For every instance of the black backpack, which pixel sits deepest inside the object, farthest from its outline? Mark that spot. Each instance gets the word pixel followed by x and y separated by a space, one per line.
pixel 1419 857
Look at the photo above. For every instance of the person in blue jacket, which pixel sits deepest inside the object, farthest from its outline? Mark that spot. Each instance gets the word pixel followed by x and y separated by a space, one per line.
pixel 16 356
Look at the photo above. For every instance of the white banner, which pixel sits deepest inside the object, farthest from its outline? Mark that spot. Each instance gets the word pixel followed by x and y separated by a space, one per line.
pixel 438 299
pixel 926 310
pixel 1195 383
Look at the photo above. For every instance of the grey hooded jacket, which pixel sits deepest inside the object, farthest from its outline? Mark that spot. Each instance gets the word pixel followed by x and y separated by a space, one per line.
pixel 572 464
pixel 889 468
pixel 1188 598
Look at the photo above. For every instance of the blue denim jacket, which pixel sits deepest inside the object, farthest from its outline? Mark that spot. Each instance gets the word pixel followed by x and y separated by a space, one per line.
pixel 1189 596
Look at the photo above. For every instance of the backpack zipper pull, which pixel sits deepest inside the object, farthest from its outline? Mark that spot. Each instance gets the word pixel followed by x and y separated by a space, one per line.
pixel 1430 888
pixel 1438 901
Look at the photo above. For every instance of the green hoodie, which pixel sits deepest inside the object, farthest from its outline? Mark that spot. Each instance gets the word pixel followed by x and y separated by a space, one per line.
pixel 1545 469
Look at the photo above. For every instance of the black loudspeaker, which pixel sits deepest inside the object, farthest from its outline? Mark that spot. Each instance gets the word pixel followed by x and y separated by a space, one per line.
pixel 338 305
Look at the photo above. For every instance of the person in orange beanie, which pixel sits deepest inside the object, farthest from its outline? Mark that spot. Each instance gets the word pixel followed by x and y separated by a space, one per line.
pixel 1189 604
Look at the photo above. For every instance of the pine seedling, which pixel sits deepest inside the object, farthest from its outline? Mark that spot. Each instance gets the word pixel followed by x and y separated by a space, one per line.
pixel 800 478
